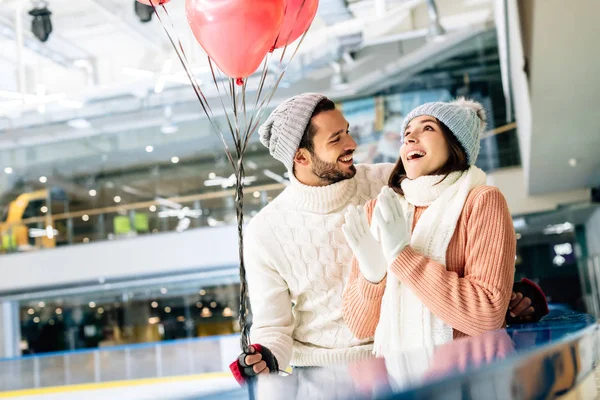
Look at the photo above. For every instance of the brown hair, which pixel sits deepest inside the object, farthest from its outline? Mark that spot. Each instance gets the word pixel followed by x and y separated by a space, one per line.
pixel 307 138
pixel 457 161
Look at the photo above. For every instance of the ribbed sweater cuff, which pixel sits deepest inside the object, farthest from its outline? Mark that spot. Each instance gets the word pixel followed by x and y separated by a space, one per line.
pixel 406 261
pixel 370 290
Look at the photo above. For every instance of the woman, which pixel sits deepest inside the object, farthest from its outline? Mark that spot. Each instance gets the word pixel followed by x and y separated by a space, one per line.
pixel 445 240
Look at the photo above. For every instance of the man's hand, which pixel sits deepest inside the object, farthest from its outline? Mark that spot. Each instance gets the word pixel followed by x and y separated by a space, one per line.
pixel 255 361
pixel 259 361
pixel 520 307
pixel 527 303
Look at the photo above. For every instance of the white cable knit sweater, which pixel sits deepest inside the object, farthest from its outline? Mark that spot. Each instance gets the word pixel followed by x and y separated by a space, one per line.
pixel 298 262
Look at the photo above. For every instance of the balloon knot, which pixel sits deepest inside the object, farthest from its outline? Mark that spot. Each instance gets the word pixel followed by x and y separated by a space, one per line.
pixel 239 81
pixel 272 49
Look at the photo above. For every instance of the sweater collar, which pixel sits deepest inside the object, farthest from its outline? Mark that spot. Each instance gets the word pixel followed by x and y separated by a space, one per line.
pixel 321 199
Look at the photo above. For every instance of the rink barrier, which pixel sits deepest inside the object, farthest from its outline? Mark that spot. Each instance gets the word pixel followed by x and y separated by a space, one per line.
pixel 175 358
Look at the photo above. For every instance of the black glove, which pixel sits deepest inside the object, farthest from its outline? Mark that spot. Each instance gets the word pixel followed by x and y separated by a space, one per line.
pixel 243 372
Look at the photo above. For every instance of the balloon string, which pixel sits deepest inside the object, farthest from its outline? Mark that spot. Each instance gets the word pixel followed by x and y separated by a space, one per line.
pixel 240 140
pixel 238 167
pixel 197 90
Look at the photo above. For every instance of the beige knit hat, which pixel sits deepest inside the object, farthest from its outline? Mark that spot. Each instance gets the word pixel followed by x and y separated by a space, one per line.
pixel 283 130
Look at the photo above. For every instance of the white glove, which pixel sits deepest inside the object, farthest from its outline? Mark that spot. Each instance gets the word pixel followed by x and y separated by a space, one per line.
pixel 365 247
pixel 390 224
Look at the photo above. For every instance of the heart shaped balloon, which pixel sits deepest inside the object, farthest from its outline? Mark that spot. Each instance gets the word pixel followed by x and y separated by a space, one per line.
pixel 236 34
pixel 299 14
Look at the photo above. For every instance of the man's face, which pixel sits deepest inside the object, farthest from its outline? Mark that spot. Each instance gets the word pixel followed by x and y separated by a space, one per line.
pixel 332 159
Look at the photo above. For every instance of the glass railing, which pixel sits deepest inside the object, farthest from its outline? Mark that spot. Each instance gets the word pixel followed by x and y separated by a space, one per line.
pixel 52 218
pixel 174 214
pixel 143 361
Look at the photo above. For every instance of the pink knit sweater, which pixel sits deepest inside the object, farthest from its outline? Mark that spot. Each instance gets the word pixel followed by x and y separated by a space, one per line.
pixel 471 293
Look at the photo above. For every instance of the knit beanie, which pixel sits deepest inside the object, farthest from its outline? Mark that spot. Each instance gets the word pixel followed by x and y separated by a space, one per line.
pixel 283 130
pixel 466 119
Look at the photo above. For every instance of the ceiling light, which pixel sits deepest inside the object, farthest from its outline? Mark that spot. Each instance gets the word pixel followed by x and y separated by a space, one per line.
pixel 212 175
pixel 153 320
pixel 149 149
pixel 86 240
pixel 41 25
pixel 206 313
pixel 100 310
pixel 36 320
pixel 152 208
pixel 202 292
pixel 85 217
pixel 79 123
pixel 558 228
pixel 174 160
pixel 154 304
pixel 213 304
pixel 519 223
pixel 143 11
pixel 41 304
pixel 169 129
pixel 573 162
pixel 8 170
pixel 227 312
pixel 31 311
pixel 44 209
pixel 167 309
pixel 43 179
pixel 92 304
pixel 199 304
pixel 117 199
pixel 256 195
pixel 163 290
pixel 93 192
pixel 251 164
pixel 58 311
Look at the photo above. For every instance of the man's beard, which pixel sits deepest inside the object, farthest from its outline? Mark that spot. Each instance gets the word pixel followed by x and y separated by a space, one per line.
pixel 330 172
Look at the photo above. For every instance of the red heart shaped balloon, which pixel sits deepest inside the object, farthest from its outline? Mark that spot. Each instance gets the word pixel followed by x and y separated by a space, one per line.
pixel 299 14
pixel 236 34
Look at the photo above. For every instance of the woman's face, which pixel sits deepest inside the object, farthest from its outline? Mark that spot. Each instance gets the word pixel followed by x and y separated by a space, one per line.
pixel 424 150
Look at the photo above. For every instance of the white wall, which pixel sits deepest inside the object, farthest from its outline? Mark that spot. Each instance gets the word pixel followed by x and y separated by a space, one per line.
pixel 133 257
pixel 511 181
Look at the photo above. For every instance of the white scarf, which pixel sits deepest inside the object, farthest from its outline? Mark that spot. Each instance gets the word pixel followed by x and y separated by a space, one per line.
pixel 405 322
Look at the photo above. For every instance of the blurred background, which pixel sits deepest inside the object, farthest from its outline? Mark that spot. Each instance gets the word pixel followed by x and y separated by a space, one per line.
pixel 116 200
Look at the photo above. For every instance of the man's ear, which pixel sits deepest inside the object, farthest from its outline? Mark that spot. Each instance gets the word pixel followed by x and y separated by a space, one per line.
pixel 302 157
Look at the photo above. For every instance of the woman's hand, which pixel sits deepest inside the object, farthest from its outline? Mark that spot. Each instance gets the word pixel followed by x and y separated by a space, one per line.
pixel 365 247
pixel 391 225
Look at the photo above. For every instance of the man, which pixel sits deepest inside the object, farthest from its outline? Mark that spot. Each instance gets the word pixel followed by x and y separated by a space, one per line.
pixel 297 258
